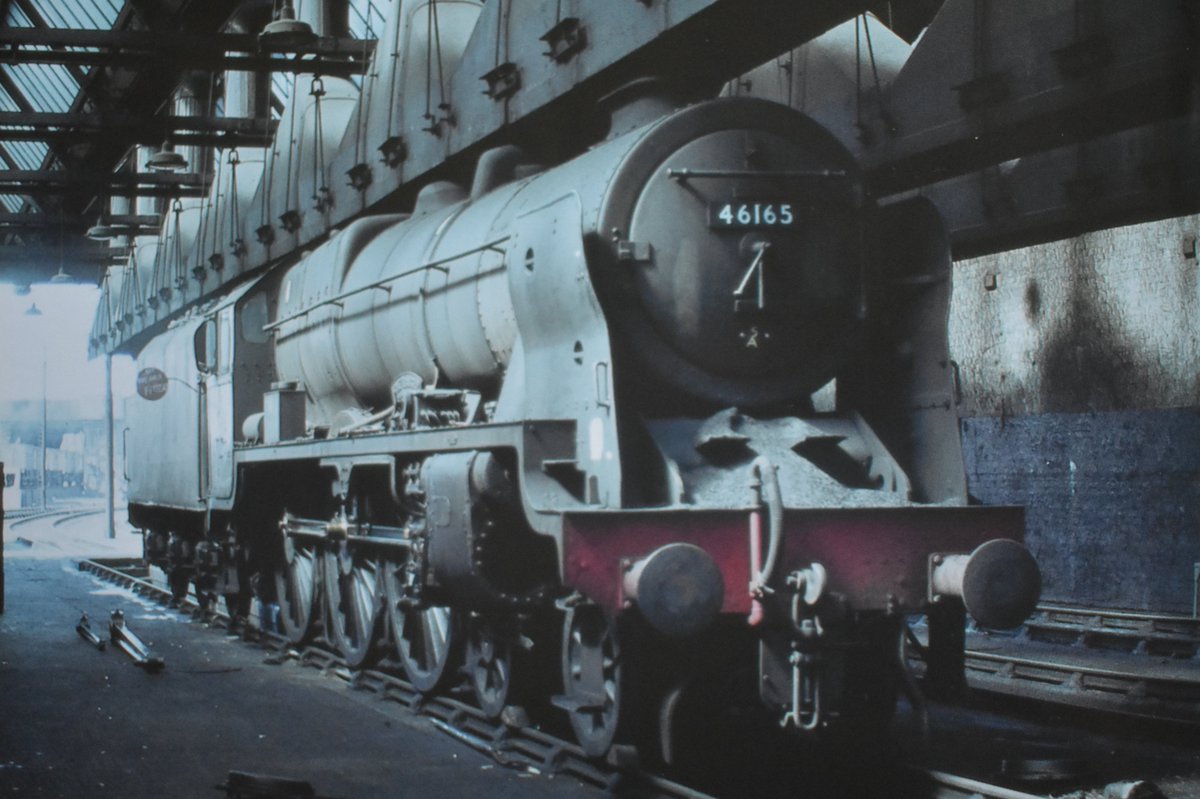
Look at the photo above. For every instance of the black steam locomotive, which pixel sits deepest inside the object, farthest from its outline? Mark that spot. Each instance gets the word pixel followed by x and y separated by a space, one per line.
pixel 677 410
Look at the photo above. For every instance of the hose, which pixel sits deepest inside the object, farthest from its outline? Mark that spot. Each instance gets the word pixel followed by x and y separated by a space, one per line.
pixel 772 497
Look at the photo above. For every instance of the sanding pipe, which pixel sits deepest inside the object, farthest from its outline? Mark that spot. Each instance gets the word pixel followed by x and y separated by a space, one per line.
pixel 84 628
pixel 128 642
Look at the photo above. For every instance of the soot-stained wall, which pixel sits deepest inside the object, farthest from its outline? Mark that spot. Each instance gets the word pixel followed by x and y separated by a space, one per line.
pixel 1080 374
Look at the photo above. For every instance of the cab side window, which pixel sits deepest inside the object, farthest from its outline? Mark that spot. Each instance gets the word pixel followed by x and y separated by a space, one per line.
pixel 206 347
pixel 225 341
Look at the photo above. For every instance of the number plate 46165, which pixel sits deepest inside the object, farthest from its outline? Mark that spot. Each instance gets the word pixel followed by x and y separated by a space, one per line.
pixel 751 214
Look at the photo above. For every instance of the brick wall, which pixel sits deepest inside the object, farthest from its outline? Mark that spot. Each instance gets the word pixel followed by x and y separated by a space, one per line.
pixel 1080 369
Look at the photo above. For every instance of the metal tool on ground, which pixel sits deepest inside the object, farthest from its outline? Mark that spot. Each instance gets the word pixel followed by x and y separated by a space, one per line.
pixel 127 641
pixel 84 628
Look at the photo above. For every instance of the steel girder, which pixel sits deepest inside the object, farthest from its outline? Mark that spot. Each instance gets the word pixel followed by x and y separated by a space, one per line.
pixel 204 51
pixel 45 183
pixel 992 81
pixel 126 222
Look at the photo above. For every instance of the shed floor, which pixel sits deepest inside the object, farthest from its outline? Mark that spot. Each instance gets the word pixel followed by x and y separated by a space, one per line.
pixel 77 722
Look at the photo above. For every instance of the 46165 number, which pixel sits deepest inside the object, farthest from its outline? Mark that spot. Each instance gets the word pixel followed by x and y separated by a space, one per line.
pixel 748 214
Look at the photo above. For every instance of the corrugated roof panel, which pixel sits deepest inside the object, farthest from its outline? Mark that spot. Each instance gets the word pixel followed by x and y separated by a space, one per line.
pixel 27 154
pixel 17 17
pixel 49 87
pixel 7 103
pixel 86 14
pixel 45 87
pixel 52 87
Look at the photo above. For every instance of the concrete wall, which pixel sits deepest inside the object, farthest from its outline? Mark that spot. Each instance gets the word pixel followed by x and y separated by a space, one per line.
pixel 1080 371
pixel 1106 321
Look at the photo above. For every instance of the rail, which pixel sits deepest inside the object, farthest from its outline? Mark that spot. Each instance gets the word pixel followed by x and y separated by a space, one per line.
pixel 1171 634
pixel 23 516
pixel 1142 665
pixel 1125 691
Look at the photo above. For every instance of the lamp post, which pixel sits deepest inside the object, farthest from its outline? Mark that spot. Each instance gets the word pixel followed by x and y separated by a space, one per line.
pixel 110 472
pixel 35 311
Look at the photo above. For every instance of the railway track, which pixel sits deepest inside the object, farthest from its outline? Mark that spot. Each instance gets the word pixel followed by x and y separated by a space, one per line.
pixel 61 516
pixel 1138 664
pixel 1154 634
pixel 512 741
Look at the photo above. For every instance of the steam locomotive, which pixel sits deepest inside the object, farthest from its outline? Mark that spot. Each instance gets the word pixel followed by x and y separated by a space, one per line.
pixel 677 410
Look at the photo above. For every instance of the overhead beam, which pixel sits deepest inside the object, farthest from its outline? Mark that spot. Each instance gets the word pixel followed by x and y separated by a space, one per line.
pixel 117 123
pixel 1151 172
pixel 184 60
pixel 71 129
pixel 206 51
pixel 55 222
pixel 167 192
pixel 24 255
pixel 38 177
pixel 979 90
pixel 153 41
pixel 148 134
pixel 54 182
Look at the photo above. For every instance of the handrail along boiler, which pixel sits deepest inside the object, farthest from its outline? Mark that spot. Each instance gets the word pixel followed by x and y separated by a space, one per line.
pixel 676 412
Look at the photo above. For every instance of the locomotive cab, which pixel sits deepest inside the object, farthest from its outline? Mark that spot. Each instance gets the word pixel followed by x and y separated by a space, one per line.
pixel 195 383
pixel 234 367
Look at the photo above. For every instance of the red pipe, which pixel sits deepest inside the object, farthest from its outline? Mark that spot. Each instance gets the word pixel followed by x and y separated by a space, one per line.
pixel 756 609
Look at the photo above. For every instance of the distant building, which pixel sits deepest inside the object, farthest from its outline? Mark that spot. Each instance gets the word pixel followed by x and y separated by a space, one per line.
pixel 12 489
pixel 75 446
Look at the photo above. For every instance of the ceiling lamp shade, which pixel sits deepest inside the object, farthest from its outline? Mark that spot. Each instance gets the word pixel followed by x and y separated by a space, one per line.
pixel 61 276
pixel 167 161
pixel 101 231
pixel 285 32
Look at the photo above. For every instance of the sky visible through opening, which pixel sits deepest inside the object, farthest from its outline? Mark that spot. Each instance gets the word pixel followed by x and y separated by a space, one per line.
pixel 60 335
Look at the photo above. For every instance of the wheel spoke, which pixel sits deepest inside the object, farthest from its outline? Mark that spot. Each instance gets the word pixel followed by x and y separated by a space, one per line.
pixel 295 590
pixel 425 638
pixel 429 638
pixel 489 666
pixel 352 606
pixel 591 678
